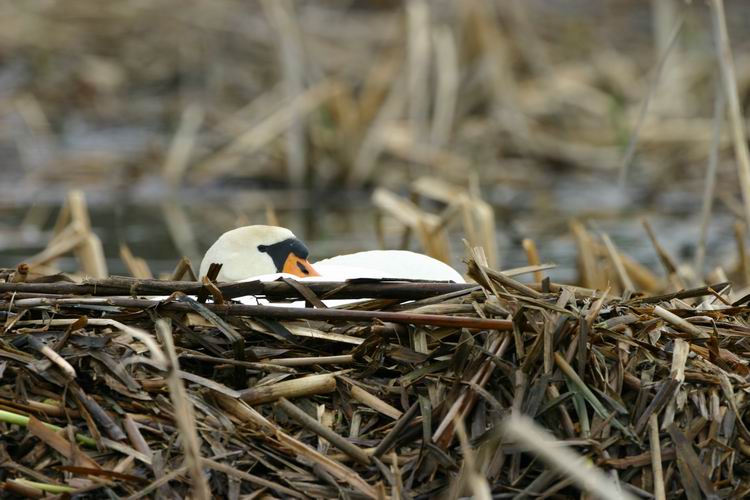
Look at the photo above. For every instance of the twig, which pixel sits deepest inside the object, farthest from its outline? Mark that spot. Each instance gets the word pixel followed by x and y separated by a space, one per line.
pixel 390 439
pixel 274 290
pixel 294 313
pixel 313 425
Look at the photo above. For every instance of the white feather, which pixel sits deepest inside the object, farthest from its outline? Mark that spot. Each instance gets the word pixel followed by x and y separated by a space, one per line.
pixel 388 264
pixel 238 251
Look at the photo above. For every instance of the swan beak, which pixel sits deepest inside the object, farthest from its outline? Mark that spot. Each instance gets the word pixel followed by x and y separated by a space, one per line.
pixel 299 267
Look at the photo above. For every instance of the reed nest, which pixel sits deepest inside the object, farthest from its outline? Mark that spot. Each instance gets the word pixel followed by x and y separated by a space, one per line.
pixel 135 388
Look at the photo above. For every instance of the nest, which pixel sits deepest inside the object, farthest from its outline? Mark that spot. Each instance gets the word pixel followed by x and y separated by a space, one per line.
pixel 130 388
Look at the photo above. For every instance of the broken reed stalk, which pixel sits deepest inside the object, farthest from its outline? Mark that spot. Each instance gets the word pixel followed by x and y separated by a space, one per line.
pixel 680 323
pixel 313 425
pixel 183 268
pixel 184 415
pixel 182 145
pixel 669 264
pixel 390 439
pixel 532 255
pixel 562 458
pixel 374 402
pixel 448 82
pixel 622 273
pixel 739 236
pixel 273 290
pixel 288 313
pixel 252 478
pixel 470 473
pixel 54 357
pixel 709 191
pixel 461 407
pixel 73 233
pixel 653 83
pixel 726 64
pixel 336 469
pixel 343 359
pixel 137 266
pixel 290 389
pixel 23 420
pixel 655 445
pixel 32 489
pixel 690 293
pixel 63 443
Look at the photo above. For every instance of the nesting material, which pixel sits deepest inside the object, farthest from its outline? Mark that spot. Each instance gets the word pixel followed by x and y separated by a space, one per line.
pixel 130 387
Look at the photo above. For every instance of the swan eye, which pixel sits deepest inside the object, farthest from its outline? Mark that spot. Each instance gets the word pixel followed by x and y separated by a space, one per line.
pixel 262 248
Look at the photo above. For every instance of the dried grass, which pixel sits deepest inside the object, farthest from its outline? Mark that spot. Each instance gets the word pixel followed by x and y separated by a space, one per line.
pixel 423 396
pixel 108 388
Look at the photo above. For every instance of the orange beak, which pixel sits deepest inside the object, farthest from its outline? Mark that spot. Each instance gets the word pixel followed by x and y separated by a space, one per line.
pixel 299 267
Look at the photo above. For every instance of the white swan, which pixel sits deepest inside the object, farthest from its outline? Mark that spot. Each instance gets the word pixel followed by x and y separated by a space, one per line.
pixel 269 252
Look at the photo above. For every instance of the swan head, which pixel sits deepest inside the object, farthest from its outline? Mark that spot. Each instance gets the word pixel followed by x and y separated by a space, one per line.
pixel 251 251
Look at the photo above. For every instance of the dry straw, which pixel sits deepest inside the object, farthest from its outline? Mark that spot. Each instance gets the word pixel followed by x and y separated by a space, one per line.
pixel 356 401
pixel 122 386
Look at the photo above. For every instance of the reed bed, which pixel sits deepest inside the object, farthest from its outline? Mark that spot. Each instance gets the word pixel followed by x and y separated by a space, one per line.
pixel 213 91
pixel 135 387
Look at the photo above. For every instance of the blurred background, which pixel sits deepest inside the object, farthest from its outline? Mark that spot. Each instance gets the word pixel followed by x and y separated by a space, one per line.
pixel 361 124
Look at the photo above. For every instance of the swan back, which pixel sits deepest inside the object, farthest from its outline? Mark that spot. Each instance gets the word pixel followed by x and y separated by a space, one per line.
pixel 389 264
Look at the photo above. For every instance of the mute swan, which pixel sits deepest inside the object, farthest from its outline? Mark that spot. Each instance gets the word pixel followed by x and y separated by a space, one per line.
pixel 268 252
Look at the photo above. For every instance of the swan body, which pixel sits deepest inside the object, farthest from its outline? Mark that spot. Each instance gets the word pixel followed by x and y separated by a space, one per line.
pixel 268 253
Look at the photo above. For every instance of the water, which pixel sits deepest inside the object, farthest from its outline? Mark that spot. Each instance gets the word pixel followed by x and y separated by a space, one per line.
pixel 75 117
pixel 150 221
